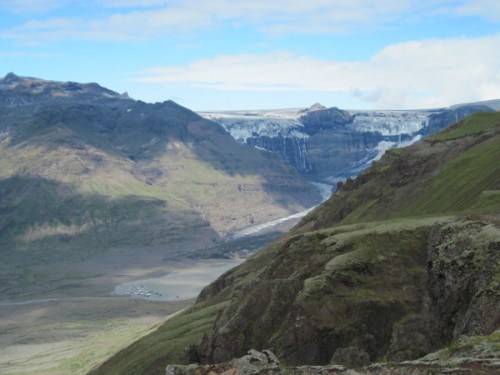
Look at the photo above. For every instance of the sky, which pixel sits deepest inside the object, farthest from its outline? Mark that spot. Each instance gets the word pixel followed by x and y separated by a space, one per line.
pixel 262 54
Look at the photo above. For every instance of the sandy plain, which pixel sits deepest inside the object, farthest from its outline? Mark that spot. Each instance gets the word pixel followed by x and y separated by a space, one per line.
pixel 62 318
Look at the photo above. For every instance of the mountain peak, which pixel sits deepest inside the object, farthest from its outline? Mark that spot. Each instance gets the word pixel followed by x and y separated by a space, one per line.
pixel 314 107
pixel 32 89
pixel 11 78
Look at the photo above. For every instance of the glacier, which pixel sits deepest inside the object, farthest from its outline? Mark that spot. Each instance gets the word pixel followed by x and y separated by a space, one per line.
pixel 328 145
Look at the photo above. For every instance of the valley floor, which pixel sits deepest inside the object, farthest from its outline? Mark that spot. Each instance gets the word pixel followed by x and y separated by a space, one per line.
pixel 63 319
pixel 70 336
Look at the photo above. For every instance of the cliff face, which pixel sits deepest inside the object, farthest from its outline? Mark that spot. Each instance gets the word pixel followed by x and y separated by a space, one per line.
pixel 388 290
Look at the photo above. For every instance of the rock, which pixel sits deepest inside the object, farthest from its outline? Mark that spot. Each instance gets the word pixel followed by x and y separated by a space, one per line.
pixel 410 338
pixel 327 118
pixel 255 361
pixel 351 357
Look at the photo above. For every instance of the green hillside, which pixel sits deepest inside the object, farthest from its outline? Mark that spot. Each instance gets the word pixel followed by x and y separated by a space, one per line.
pixel 400 262
pixel 453 172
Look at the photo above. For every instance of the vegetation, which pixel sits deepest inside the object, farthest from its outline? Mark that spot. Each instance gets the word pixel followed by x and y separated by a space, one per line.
pixel 147 355
pixel 470 126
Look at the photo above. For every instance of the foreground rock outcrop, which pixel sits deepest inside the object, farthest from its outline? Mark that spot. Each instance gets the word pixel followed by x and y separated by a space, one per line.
pixel 469 356
pixel 361 294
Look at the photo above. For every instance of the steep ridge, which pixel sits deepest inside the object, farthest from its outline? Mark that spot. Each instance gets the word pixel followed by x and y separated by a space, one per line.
pixel 400 262
pixel 83 167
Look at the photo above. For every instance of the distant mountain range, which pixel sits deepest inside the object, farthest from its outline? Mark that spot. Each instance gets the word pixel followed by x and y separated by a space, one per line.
pixel 83 167
pixel 400 262
pixel 328 145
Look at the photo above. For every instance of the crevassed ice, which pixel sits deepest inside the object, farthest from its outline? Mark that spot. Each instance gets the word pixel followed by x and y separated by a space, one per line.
pixel 242 129
pixel 390 123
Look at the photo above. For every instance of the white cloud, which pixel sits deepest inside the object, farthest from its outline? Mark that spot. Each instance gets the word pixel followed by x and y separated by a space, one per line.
pixel 142 19
pixel 419 74
pixel 489 9
pixel 31 6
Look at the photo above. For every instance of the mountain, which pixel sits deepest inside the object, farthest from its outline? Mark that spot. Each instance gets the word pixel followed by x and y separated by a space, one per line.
pixel 327 145
pixel 402 261
pixel 83 167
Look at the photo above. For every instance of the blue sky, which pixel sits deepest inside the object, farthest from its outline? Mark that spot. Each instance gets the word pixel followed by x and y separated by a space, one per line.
pixel 261 54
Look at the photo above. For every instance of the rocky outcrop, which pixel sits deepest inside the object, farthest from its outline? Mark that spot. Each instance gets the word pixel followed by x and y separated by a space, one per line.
pixel 478 359
pixel 464 280
pixel 254 362
pixel 360 296
pixel 333 119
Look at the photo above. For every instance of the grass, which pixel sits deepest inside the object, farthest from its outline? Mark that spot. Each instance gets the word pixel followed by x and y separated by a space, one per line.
pixel 73 346
pixel 472 125
pixel 165 346
pixel 462 185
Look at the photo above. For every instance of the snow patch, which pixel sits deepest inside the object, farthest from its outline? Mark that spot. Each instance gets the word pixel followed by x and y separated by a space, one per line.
pixel 383 146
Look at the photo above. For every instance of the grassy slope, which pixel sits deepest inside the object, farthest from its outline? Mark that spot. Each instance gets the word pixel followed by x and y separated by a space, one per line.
pixel 179 332
pixel 456 170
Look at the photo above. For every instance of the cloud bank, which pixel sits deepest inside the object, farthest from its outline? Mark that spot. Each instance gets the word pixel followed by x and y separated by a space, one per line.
pixel 421 74
pixel 126 20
